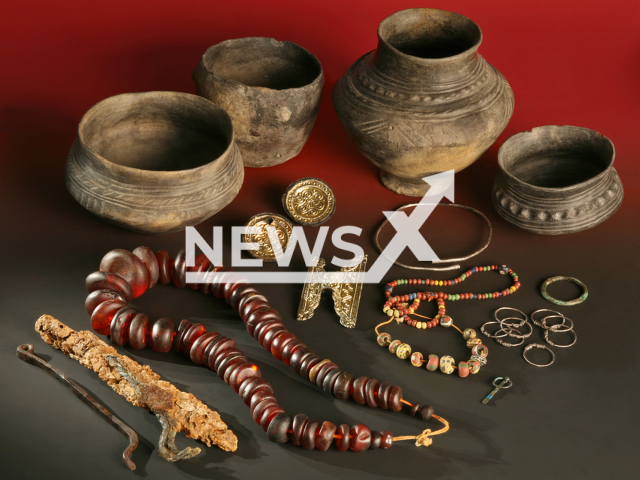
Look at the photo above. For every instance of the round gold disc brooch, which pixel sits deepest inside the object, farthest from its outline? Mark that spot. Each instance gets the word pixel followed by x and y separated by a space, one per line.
pixel 309 201
pixel 283 230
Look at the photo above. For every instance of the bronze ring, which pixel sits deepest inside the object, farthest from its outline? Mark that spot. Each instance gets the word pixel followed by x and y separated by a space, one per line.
pixel 576 301
pixel 447 260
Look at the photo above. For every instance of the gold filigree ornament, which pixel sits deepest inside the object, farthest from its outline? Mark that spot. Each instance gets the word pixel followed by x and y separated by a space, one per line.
pixel 309 201
pixel 260 237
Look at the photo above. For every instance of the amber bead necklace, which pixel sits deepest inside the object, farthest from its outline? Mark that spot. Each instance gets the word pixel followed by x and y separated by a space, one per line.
pixel 398 308
pixel 125 275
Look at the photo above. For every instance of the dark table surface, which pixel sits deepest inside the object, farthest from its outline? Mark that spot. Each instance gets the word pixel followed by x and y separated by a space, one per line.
pixel 577 419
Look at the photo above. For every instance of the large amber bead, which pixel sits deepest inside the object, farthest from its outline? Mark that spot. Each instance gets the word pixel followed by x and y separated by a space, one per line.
pixel 129 267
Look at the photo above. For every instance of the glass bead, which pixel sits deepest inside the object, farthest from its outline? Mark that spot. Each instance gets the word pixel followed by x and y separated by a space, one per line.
pixel 164 267
pixel 370 390
pixel 139 331
pixel 330 380
pixel 417 359
pixel 474 366
pixel 357 390
pixel 342 442
pixel 394 345
pixel 324 436
pixel 103 314
pixel 480 350
pixel 129 267
pixel 376 438
pixel 260 316
pixel 197 350
pixel 266 338
pixel 111 281
pixel 473 341
pixel 403 351
pixel 201 263
pixel 359 438
pixel 463 369
pixel 386 439
pixel 120 325
pixel 289 349
pixel 241 292
pixel 384 339
pixel 395 399
pixel 343 385
pixel 309 433
pixel 278 430
pixel 446 321
pixel 323 371
pixel 446 364
pixel 182 329
pixel 297 427
pixel 190 336
pixel 433 363
pixel 162 334
pixel 96 297
pixel 469 333
pixel 425 411
pixel 279 342
pixel 178 270
pixel 148 258
pixel 383 395
pixel 238 376
pixel 308 363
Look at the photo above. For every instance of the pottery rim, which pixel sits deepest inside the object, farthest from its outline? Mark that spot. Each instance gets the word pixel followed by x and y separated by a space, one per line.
pixel 521 138
pixel 206 62
pixel 160 97
pixel 383 35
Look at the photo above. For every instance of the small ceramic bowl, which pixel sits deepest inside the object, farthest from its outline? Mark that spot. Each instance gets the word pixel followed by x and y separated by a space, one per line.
pixel 154 162
pixel 557 179
pixel 271 89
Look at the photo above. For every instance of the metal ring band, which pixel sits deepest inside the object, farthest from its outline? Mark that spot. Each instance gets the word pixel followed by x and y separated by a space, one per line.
pixel 519 322
pixel 447 260
pixel 546 337
pixel 514 328
pixel 538 345
pixel 495 335
pixel 507 344
pixel 549 281
pixel 558 326
pixel 495 314
pixel 536 322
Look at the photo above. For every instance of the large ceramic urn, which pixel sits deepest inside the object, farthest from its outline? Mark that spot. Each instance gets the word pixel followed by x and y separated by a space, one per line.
pixel 424 101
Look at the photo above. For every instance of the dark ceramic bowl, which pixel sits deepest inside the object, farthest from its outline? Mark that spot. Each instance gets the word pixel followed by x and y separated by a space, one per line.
pixel 557 179
pixel 271 89
pixel 154 162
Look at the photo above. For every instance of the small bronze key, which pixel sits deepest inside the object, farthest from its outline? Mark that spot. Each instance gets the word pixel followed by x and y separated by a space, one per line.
pixel 498 382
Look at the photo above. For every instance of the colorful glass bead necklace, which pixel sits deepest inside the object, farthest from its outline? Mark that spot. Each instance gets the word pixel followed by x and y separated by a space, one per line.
pixel 398 309
pixel 125 275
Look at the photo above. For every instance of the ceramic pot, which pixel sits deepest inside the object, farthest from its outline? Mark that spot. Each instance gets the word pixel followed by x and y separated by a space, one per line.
pixel 154 162
pixel 557 179
pixel 424 101
pixel 271 89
